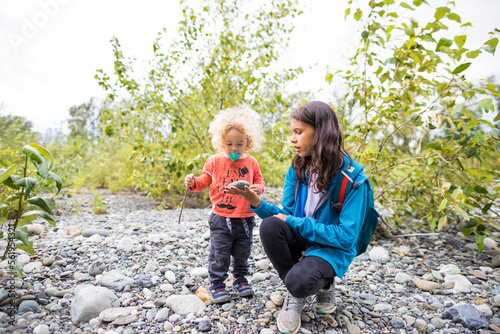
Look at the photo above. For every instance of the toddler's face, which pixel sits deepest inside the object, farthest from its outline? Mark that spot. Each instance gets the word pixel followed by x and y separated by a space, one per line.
pixel 235 142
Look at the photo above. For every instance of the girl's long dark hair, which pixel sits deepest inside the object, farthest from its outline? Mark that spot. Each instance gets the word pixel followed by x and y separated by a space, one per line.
pixel 327 154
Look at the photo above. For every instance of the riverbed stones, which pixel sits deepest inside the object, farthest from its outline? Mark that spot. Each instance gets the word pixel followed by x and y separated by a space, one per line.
pixel 466 315
pixel 185 304
pixel 461 283
pixel 426 285
pixel 376 296
pixel 379 254
pixel 35 229
pixel 116 280
pixel 111 314
pixel 89 301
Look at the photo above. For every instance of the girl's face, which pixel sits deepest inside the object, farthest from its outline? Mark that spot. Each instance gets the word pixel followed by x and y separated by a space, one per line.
pixel 302 137
pixel 235 142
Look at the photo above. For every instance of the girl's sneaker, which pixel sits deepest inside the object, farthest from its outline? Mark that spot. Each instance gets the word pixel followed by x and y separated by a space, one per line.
pixel 288 320
pixel 325 300
pixel 218 293
pixel 244 289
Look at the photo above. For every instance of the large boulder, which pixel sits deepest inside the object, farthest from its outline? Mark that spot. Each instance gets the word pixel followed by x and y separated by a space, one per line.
pixel 90 300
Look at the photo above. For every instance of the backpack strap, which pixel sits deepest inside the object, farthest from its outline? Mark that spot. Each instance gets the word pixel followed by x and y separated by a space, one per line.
pixel 345 182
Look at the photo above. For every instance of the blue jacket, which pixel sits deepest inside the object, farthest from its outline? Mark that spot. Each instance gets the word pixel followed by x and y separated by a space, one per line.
pixel 330 236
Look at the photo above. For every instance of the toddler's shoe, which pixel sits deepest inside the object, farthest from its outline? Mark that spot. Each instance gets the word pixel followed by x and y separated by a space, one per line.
pixel 244 289
pixel 218 293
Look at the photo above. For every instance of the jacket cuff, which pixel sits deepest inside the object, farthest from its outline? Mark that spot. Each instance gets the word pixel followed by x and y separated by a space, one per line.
pixel 261 211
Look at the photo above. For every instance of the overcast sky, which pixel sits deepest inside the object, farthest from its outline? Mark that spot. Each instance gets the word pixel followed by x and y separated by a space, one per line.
pixel 50 49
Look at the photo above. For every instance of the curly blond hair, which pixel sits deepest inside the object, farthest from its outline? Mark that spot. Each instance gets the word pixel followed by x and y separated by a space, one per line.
pixel 242 118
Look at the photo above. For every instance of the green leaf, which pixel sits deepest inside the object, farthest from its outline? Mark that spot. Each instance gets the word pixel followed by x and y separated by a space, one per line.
pixel 466 231
pixel 21 233
pixel 497 118
pixel 48 218
pixel 347 12
pixel 27 182
pixel 480 242
pixel 489 49
pixel 492 42
pixel 38 160
pixel 461 212
pixel 443 42
pixel 473 54
pixel 435 145
pixel 53 176
pixel 486 208
pixel 32 153
pixel 23 222
pixel 460 68
pixel 9 182
pixel 468 113
pixel 460 40
pixel 491 88
pixel 358 14
pixel 480 190
pixel 442 205
pixel 442 222
pixel 471 152
pixel 6 173
pixel 454 17
pixel 495 225
pixel 42 202
pixel 441 12
pixel 27 248
pixel 45 153
pixel 407 6
pixel 487 104
pixel 31 215
pixel 365 34
pixel 329 78
pixel 471 223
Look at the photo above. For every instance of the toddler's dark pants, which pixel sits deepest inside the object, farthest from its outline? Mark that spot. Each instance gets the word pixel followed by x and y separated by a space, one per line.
pixel 302 276
pixel 229 238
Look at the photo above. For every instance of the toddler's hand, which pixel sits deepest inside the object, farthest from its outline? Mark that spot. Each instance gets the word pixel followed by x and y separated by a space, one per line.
pixel 254 188
pixel 189 181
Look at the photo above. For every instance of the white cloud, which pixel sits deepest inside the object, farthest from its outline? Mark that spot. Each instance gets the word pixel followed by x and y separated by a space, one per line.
pixel 61 43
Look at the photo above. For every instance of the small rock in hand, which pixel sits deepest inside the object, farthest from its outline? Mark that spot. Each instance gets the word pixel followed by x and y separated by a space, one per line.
pixel 239 184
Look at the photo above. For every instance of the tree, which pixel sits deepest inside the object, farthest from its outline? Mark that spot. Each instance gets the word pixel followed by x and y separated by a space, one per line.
pixel 84 119
pixel 421 128
pixel 225 56
pixel 14 132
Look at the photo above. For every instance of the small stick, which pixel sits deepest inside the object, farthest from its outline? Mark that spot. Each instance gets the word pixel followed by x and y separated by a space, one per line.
pixel 184 199
pixel 414 234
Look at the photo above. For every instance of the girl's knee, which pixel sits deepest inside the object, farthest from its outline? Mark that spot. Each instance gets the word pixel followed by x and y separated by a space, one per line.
pixel 270 226
pixel 297 287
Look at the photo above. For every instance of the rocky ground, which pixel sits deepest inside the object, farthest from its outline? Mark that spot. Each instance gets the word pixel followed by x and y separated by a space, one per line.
pixel 134 269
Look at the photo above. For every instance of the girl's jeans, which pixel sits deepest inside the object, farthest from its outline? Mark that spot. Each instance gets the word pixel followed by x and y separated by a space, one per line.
pixel 302 276
pixel 229 237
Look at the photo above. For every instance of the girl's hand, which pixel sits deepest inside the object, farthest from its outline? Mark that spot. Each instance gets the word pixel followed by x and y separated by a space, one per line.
pixel 281 216
pixel 255 188
pixel 247 194
pixel 189 181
